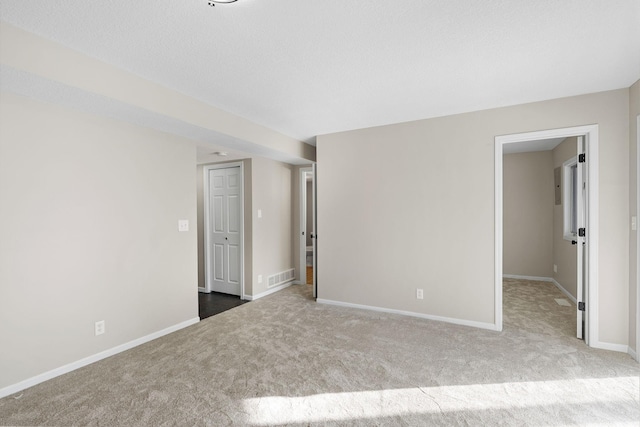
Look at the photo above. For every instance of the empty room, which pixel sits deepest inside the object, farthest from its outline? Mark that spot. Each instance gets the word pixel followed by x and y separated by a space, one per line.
pixel 423 212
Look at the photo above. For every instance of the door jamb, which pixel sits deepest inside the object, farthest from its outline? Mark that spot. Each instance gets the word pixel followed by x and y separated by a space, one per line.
pixel 637 349
pixel 591 148
pixel 207 195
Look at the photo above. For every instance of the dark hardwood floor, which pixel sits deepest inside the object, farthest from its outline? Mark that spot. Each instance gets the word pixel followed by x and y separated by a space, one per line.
pixel 216 302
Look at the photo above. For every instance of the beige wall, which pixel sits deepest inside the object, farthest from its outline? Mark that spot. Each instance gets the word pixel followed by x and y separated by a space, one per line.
pixel 634 111
pixel 425 218
pixel 273 240
pixel 528 197
pixel 564 253
pixel 89 208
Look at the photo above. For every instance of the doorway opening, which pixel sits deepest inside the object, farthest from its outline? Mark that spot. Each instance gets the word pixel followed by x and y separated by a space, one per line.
pixel 224 228
pixel 586 236
pixel 308 236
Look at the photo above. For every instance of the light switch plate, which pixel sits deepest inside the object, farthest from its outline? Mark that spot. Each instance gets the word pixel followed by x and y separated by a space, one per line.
pixel 183 225
pixel 259 213
pixel 634 222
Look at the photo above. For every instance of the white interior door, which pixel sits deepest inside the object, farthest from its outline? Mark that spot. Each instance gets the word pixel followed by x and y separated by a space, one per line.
pixel 225 218
pixel 580 194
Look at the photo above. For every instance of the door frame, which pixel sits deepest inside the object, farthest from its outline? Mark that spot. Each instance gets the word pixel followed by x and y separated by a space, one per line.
pixel 637 349
pixel 590 132
pixel 303 224
pixel 314 238
pixel 207 223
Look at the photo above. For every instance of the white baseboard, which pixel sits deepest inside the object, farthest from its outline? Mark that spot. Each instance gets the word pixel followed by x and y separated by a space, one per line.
pixel 269 292
pixel 6 391
pixel 536 278
pixel 622 348
pixel 633 354
pixel 203 290
pixel 462 322
pixel 543 279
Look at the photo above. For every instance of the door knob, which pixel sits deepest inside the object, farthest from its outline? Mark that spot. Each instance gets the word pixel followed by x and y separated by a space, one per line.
pixel 573 242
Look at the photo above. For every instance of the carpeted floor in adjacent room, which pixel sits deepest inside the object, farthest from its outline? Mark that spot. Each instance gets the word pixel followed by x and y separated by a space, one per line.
pixel 286 360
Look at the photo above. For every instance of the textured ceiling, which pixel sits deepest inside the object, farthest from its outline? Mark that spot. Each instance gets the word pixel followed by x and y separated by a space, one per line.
pixel 306 67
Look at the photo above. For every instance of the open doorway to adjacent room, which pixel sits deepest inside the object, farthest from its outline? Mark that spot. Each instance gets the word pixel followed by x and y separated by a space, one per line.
pixel 546 231
pixel 220 188
pixel 308 237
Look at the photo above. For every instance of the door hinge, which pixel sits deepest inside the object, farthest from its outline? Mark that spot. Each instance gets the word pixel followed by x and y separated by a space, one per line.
pixel 581 306
pixel 582 232
pixel 582 158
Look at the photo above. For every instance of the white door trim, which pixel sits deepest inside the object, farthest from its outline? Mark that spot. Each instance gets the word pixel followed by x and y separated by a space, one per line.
pixel 303 224
pixel 582 251
pixel 314 238
pixel 591 145
pixel 637 349
pixel 207 238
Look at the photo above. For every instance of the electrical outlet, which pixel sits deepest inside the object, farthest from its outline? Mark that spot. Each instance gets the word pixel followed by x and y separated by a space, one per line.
pixel 100 327
pixel 555 268
pixel 259 278
pixel 183 225
pixel 419 294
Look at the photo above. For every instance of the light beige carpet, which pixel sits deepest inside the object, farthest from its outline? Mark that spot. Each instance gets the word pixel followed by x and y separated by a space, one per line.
pixel 285 360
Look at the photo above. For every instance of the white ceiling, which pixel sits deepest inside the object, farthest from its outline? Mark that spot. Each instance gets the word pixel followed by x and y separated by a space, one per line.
pixel 306 68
